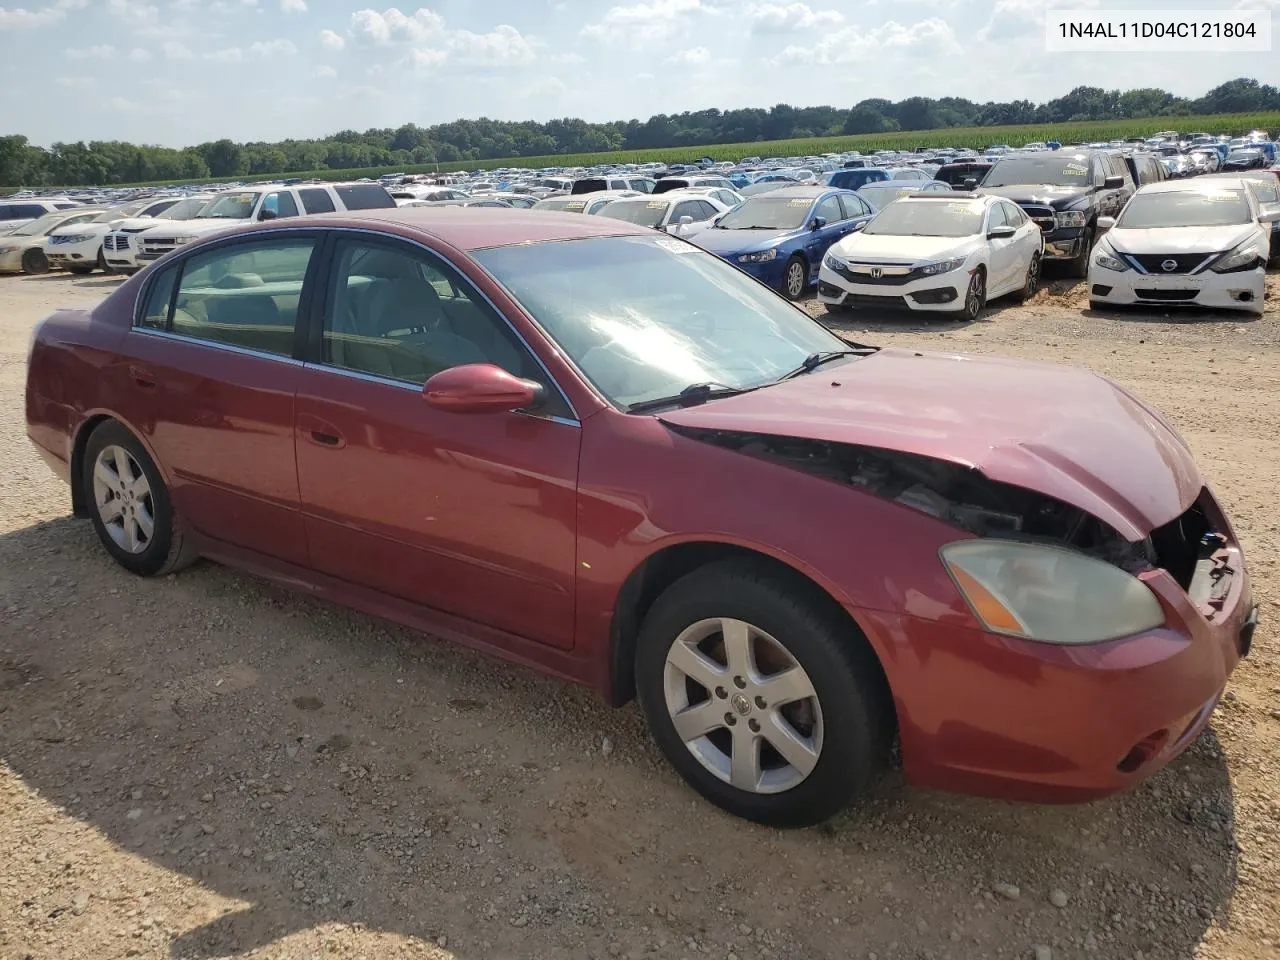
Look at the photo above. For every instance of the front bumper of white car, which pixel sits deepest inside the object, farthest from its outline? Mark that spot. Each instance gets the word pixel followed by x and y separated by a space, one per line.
pixel 890 286
pixel 64 255
pixel 120 250
pixel 1239 290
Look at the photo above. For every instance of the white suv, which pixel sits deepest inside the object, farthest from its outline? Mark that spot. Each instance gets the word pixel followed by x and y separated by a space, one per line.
pixel 79 248
pixel 15 213
pixel 236 207
pixel 119 247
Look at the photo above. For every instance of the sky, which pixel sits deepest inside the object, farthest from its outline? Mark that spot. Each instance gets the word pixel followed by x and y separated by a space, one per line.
pixel 180 72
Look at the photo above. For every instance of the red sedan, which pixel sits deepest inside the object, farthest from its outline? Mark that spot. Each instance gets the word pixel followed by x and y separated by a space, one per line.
pixel 605 453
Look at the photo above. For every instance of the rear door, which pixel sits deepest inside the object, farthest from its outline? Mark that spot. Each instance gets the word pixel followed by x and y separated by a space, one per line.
pixel 213 381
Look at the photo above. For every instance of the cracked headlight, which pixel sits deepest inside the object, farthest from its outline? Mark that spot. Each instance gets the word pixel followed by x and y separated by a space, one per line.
pixel 1049 593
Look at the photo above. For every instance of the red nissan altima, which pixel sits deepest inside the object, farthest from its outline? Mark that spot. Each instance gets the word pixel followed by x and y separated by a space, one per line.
pixel 606 453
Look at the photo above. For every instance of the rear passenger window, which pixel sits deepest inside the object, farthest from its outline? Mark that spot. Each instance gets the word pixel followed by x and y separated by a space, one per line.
pixel 245 295
pixel 364 196
pixel 155 315
pixel 316 200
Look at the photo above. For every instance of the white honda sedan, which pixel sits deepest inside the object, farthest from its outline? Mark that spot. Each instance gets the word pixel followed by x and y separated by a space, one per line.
pixel 1201 243
pixel 937 253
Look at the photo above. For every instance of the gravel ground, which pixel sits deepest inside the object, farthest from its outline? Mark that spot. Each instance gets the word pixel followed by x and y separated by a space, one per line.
pixel 206 765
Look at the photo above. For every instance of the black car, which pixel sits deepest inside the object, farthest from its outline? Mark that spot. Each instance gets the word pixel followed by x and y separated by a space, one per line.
pixel 1064 192
pixel 1145 168
pixel 1246 159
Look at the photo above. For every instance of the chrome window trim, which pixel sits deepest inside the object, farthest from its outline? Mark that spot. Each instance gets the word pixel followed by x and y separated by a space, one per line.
pixel 217 344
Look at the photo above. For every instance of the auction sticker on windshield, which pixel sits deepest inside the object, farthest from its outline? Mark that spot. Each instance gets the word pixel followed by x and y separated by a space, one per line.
pixel 1158 31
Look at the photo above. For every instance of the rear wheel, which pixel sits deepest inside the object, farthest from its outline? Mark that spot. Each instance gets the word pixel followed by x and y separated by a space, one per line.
pixel 1032 282
pixel 34 261
pixel 129 504
pixel 795 277
pixel 767 703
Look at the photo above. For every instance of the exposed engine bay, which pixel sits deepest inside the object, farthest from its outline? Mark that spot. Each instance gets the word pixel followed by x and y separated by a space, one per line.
pixel 950 492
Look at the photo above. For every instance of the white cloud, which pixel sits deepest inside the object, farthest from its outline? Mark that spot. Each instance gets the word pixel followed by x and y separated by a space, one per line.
pixel 778 17
pixel 931 37
pixel 569 58
pixel 293 6
pixel 327 73
pixel 173 50
pixel 645 23
pixel 272 48
pixel 502 46
pixel 120 103
pixel 226 55
pixel 20 18
pixel 134 14
pixel 138 55
pixel 693 57
pixel 1015 18
pixel 77 83
pixel 102 51
pixel 393 26
pixel 331 41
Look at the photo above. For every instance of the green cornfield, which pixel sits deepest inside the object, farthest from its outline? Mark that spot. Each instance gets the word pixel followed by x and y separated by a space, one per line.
pixel 975 137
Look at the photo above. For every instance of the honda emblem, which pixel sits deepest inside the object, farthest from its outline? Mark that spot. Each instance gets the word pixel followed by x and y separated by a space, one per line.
pixel 876 273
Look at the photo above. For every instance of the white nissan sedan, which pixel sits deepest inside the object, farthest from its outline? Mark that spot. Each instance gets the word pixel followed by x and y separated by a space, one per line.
pixel 935 252
pixel 1201 243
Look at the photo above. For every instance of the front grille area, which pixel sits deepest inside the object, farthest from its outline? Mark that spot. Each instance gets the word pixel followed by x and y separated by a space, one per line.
pixel 1043 216
pixel 871 300
pixel 1155 262
pixel 860 273
pixel 1168 296
pixel 158 247
pixel 113 241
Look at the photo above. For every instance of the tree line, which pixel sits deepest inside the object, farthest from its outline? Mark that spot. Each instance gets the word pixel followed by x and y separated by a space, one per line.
pixel 106 162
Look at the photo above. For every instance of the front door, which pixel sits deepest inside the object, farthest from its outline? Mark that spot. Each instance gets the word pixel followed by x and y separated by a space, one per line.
pixel 471 514
pixel 214 375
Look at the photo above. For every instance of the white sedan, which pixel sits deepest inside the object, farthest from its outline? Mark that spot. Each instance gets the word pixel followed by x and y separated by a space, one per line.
pixel 936 253
pixel 1201 243
pixel 678 211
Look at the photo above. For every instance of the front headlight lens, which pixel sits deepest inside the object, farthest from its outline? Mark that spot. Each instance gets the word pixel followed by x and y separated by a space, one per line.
pixel 763 256
pixel 943 266
pixel 1071 218
pixel 1103 258
pixel 1243 257
pixel 179 241
pixel 832 263
pixel 1050 594
pixel 74 238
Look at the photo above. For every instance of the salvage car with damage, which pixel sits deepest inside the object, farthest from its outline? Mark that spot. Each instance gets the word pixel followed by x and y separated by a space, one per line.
pixel 603 452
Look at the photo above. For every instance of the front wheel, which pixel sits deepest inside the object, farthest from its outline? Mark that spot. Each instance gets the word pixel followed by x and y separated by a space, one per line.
pixel 34 261
pixel 81 269
pixel 795 278
pixel 975 297
pixel 766 702
pixel 129 504
pixel 1079 267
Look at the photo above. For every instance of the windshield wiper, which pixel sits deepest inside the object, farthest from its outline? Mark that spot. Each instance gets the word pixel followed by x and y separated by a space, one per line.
pixel 814 360
pixel 694 393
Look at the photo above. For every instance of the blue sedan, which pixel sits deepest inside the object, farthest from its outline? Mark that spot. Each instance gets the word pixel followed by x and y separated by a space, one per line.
pixel 780 237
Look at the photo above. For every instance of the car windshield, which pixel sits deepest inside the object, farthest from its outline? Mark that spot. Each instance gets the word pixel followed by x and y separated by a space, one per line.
pixel 644 317
pixel 568 204
pixel 646 213
pixel 230 206
pixel 1050 170
pixel 1244 154
pixel 768 212
pixel 927 218
pixel 39 226
pixel 183 209
pixel 884 193
pixel 1185 208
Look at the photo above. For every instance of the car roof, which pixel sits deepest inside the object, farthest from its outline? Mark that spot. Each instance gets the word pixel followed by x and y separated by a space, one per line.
pixel 471 228
pixel 806 191
pixel 1194 186
pixel 951 196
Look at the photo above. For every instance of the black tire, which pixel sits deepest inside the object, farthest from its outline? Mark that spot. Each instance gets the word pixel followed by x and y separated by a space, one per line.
pixel 101 263
pixel 35 262
pixel 1032 282
pixel 838 309
pixel 975 297
pixel 1078 268
pixel 81 269
pixel 851 693
pixel 789 290
pixel 167 550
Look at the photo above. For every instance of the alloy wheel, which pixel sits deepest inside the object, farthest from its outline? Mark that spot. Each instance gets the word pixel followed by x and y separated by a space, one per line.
pixel 975 296
pixel 1033 277
pixel 795 279
pixel 122 497
pixel 743 705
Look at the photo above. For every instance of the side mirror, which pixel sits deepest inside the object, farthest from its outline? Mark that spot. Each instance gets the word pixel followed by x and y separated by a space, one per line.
pixel 1270 213
pixel 686 220
pixel 481 388
pixel 267 214
pixel 1112 183
pixel 1105 224
pixel 1001 233
pixel 968 183
pixel 859 225
pixel 817 223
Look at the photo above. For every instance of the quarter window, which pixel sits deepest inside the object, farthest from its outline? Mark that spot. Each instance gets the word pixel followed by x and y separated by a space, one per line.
pixel 245 295
pixel 316 200
pixel 853 206
pixel 404 314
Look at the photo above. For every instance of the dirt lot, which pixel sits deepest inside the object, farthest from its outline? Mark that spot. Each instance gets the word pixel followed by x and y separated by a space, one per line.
pixel 205 765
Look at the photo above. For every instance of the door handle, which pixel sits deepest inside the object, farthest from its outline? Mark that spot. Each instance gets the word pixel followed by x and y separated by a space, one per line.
pixel 326 439
pixel 142 376
pixel 320 431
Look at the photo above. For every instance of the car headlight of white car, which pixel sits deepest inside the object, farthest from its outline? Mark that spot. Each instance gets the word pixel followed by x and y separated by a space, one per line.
pixel 7 250
pixel 1070 218
pixel 74 238
pixel 832 262
pixel 764 256
pixel 1103 258
pixel 1238 258
pixel 1049 593
pixel 942 266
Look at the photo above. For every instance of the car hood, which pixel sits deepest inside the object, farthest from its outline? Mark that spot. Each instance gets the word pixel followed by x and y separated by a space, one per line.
pixel 740 241
pixel 1056 197
pixel 79 229
pixel 872 247
pixel 1179 239
pixel 197 227
pixel 140 223
pixel 1064 432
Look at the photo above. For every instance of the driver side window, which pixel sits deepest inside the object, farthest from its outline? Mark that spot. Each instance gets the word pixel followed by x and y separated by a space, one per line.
pixel 829 210
pixel 401 313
